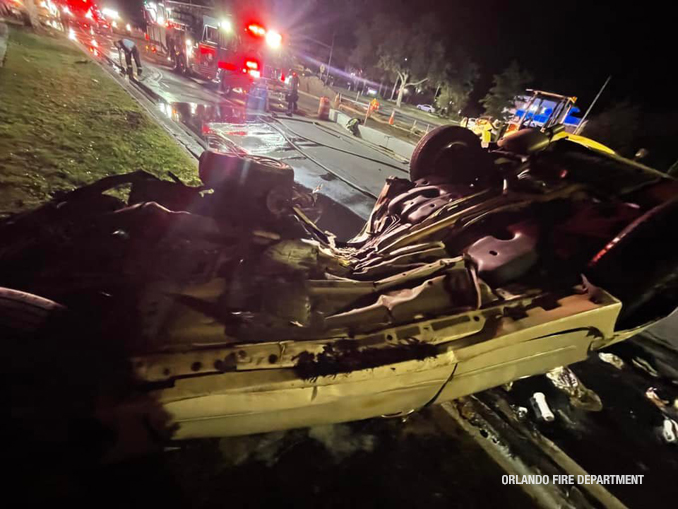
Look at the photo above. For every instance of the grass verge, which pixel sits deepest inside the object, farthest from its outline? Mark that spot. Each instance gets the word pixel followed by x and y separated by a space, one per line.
pixel 64 123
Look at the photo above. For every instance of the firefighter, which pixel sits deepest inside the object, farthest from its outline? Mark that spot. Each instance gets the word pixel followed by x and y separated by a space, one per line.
pixel 293 96
pixel 131 51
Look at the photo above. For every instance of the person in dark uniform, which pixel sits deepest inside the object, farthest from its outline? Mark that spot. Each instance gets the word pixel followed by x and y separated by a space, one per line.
pixel 293 96
pixel 131 51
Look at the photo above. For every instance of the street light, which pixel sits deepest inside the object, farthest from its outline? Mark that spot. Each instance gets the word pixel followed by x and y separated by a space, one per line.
pixel 273 39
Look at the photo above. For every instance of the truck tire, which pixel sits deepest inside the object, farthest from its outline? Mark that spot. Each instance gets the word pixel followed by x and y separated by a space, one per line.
pixel 35 334
pixel 639 268
pixel 453 152
pixel 23 314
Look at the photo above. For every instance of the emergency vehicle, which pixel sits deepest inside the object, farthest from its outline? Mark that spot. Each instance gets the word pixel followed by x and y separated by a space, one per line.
pixel 212 44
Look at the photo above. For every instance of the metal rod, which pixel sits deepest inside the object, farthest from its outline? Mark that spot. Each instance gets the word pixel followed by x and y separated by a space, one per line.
pixel 581 123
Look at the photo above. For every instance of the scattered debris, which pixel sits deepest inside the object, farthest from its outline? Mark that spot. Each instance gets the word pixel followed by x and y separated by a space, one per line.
pixel 520 411
pixel 611 358
pixel 541 407
pixel 652 395
pixel 341 441
pixel 670 431
pixel 266 448
pixel 580 396
pixel 565 419
pixel 82 61
pixel 645 366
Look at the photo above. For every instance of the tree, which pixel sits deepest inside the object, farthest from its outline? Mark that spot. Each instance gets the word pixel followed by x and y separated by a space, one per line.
pixel 410 53
pixel 457 83
pixel 507 87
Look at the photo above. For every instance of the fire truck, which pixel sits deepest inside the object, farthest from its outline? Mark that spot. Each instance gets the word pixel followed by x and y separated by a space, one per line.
pixel 212 44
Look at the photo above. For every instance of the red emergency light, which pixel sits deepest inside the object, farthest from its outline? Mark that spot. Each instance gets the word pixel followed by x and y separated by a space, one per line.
pixel 252 68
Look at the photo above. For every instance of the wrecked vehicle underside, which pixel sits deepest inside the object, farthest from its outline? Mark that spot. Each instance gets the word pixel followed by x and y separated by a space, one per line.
pixel 224 310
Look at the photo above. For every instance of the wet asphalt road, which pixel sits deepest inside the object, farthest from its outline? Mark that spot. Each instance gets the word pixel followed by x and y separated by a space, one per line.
pixel 349 179
pixel 424 462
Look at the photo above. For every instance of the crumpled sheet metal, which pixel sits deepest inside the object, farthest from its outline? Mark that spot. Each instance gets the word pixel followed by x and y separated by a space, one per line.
pixel 563 378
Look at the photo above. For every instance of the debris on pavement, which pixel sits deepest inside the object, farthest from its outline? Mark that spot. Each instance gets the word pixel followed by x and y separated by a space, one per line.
pixel 520 411
pixel 652 395
pixel 644 366
pixel 580 396
pixel 612 359
pixel 541 407
pixel 341 441
pixel 670 431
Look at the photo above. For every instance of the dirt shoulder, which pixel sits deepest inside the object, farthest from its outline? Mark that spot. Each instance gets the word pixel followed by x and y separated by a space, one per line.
pixel 64 123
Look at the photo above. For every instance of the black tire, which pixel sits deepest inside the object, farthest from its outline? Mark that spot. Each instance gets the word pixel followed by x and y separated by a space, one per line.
pixel 640 267
pixel 453 152
pixel 45 365
pixel 24 315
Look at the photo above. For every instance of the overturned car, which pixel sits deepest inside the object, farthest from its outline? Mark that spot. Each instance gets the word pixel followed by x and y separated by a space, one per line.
pixel 177 312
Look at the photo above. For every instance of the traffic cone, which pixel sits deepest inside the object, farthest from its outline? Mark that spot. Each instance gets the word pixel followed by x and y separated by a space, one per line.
pixel 391 119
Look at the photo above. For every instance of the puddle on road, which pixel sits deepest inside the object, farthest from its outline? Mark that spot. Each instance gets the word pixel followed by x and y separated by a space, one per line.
pixel 256 139
pixel 225 125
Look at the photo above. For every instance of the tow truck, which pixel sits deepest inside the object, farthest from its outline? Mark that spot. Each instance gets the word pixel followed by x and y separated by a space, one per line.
pixel 215 45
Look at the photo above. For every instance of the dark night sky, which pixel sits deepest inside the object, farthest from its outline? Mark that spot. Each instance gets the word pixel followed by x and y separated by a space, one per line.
pixel 570 47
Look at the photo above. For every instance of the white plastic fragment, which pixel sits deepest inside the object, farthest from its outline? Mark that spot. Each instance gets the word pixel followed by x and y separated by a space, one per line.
pixel 519 411
pixel 611 358
pixel 670 431
pixel 541 407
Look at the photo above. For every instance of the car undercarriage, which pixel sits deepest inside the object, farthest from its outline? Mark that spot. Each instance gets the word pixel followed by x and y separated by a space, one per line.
pixel 230 312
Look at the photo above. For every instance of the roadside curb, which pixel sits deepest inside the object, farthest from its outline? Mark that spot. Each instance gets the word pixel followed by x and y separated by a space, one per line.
pixel 395 145
pixel 147 90
pixel 185 140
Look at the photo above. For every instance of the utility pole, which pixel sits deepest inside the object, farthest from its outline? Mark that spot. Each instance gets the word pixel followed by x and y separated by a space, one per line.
pixel 329 60
pixel 581 124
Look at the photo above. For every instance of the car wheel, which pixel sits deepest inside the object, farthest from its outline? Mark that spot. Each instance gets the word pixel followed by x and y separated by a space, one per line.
pixel 639 268
pixel 453 152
